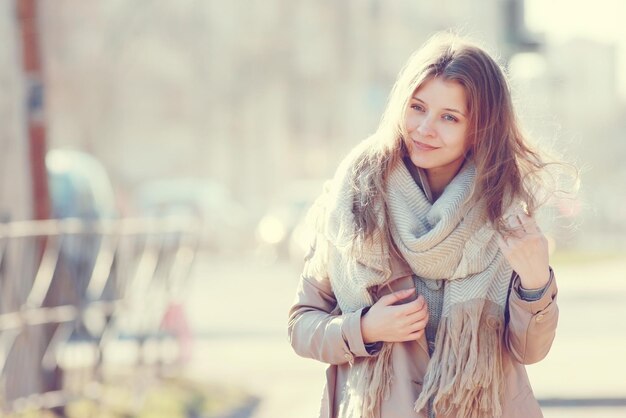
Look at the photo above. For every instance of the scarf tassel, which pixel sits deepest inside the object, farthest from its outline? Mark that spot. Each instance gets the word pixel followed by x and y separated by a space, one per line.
pixel 464 376
pixel 369 382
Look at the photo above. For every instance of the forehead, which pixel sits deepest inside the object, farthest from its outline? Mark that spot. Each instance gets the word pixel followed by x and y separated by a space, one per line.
pixel 437 92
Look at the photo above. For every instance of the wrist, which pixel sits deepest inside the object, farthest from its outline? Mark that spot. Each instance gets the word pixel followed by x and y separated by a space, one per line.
pixel 365 331
pixel 535 281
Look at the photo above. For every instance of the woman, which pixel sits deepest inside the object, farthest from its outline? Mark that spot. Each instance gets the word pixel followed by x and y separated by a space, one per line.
pixel 428 288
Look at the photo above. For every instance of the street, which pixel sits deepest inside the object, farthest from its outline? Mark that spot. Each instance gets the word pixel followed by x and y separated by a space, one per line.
pixel 237 307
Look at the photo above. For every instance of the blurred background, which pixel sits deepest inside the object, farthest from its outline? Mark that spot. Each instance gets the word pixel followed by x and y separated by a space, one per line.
pixel 158 158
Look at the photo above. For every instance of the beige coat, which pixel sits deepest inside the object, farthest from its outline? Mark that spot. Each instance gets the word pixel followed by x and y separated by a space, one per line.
pixel 318 330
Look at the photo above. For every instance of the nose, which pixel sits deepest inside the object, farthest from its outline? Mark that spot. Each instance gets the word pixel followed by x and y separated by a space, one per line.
pixel 425 128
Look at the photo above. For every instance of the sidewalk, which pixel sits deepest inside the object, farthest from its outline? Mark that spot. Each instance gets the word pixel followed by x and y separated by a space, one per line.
pixel 244 339
pixel 587 359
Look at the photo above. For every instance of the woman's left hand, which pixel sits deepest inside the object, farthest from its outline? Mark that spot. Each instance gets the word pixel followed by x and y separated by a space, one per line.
pixel 526 250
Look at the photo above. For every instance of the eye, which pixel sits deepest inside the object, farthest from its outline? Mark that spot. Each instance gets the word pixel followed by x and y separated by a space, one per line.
pixel 450 118
pixel 418 107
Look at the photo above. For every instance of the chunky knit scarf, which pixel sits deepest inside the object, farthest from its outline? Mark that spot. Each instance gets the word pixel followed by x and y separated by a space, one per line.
pixel 449 240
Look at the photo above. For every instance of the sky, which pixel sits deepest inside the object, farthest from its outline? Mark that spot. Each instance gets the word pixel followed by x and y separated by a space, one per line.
pixel 602 20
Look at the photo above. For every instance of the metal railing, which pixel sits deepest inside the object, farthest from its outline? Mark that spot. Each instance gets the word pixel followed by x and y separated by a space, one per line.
pixel 80 298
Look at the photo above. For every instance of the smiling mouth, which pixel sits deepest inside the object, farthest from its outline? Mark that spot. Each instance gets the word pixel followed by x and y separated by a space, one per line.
pixel 423 147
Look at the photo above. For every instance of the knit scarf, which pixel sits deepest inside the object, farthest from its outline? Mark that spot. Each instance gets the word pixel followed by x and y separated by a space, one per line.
pixel 448 239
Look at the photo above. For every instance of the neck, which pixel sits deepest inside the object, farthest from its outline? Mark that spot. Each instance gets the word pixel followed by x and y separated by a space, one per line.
pixel 439 178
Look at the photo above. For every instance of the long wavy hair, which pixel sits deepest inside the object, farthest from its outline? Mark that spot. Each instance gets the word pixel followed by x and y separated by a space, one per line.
pixel 507 167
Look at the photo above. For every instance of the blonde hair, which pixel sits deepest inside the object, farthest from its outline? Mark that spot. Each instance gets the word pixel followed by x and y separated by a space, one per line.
pixel 507 167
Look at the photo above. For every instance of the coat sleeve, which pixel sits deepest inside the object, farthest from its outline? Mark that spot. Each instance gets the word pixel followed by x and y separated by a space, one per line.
pixel 317 329
pixel 531 324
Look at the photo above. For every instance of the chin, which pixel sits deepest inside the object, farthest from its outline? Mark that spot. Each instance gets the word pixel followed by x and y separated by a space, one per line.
pixel 420 162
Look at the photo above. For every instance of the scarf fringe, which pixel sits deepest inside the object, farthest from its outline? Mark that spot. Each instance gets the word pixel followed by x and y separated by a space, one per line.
pixel 464 376
pixel 369 382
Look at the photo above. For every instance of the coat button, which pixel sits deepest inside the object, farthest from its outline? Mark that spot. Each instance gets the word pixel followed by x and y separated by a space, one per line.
pixel 539 318
pixel 349 357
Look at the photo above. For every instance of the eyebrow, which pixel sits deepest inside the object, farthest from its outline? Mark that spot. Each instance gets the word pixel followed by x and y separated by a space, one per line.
pixel 447 108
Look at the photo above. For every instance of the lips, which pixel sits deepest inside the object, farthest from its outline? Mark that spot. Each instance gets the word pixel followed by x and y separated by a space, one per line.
pixel 423 147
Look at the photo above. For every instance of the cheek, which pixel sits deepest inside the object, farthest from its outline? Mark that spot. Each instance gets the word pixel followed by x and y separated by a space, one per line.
pixel 457 138
pixel 411 122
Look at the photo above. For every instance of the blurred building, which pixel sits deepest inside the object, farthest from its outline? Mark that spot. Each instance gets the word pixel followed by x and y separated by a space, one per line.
pixel 586 93
pixel 249 93
pixel 568 98
pixel 587 103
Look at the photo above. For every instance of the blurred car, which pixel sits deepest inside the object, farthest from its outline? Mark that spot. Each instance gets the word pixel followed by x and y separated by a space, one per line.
pixel 282 232
pixel 79 188
pixel 223 222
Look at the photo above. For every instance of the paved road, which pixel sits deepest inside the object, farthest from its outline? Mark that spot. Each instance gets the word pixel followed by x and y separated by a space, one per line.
pixel 238 306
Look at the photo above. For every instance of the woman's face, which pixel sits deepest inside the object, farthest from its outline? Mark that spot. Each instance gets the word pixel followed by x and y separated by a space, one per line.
pixel 436 122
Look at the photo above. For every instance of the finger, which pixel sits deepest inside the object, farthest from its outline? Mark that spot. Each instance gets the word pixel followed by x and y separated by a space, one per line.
pixel 514 222
pixel 417 326
pixel 417 316
pixel 528 223
pixel 511 223
pixel 414 336
pixel 414 325
pixel 515 229
pixel 394 297
pixel 416 305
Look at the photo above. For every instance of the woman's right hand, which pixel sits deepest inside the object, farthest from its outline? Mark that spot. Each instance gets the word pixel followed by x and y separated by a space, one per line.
pixel 395 323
